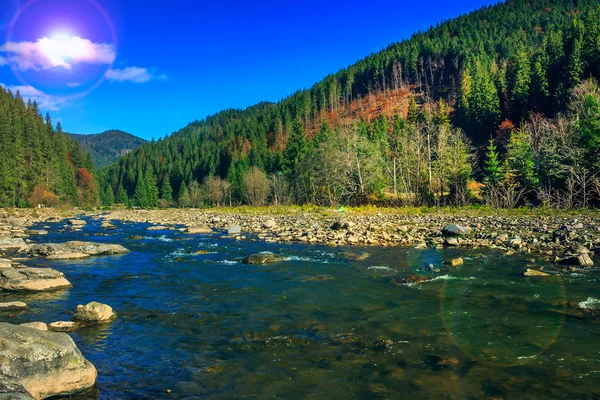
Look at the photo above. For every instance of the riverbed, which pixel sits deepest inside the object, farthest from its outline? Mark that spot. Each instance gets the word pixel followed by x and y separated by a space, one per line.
pixel 195 322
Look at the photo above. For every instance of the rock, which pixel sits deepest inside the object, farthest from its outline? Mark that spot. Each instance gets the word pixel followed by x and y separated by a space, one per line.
pixel 36 325
pixel 136 237
pixel 234 230
pixel 534 272
pixel 12 390
pixel 37 232
pixel 262 258
pixel 582 259
pixel 93 249
pixel 342 224
pixel 455 230
pixel 77 222
pixel 355 257
pixel 63 326
pixel 32 279
pixel 13 305
pixel 13 244
pixel 269 224
pixel 500 239
pixel 5 263
pixel 157 228
pixel 403 280
pixel 193 229
pixel 15 221
pixel 515 242
pixel 108 226
pixel 451 241
pixel 94 313
pixel 67 256
pixel 45 364
pixel 456 262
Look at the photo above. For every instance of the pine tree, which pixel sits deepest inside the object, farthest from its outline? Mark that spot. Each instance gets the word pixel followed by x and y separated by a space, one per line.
pixel 520 162
pixel 493 171
pixel 121 197
pixel 140 195
pixel 413 112
pixel 166 190
pixel 589 130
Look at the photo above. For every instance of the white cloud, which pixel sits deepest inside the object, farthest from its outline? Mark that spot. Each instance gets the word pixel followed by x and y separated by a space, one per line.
pixel 132 74
pixel 44 100
pixel 58 52
pixel 73 84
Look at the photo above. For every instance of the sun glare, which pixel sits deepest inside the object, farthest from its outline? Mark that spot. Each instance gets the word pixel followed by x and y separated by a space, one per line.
pixel 61 48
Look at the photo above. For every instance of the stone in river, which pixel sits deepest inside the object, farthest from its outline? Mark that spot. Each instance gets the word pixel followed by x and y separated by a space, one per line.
pixel 77 222
pixel 198 229
pixel 534 272
pixel 67 256
pixel 262 258
pixel 108 226
pixel 44 364
pixel 13 305
pixel 63 326
pixel 5 263
pixel 355 256
pixel 32 279
pixel 39 232
pixel 403 280
pixel 94 313
pixel 36 325
pixel 270 224
pixel 157 228
pixel 456 262
pixel 93 249
pixel 234 230
pixel 451 241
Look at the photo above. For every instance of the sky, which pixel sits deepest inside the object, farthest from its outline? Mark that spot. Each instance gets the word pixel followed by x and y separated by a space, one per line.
pixel 150 67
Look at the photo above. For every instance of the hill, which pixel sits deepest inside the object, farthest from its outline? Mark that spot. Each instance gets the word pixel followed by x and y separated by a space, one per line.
pixel 107 146
pixel 410 123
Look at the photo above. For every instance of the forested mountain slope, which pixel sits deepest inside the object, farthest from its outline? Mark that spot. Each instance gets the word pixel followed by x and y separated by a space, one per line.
pixel 40 164
pixel 403 123
pixel 106 147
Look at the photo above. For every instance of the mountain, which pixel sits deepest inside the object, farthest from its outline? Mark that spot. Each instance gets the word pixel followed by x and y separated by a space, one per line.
pixel 39 163
pixel 107 146
pixel 410 124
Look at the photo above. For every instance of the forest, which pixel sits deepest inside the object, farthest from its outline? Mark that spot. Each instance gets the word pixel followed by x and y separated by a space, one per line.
pixel 499 107
pixel 40 165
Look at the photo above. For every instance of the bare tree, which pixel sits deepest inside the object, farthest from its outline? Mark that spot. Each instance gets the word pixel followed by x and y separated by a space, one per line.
pixel 255 187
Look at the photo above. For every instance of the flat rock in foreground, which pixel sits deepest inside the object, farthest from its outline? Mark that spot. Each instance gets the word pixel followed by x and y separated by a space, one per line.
pixel 13 244
pixel 13 305
pixel 74 247
pixel 32 279
pixel 43 363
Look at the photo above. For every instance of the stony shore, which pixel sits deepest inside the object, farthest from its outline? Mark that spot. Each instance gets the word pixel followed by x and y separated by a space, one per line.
pixel 549 236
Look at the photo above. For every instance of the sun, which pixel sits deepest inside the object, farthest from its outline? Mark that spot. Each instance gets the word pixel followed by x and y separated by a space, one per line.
pixel 62 48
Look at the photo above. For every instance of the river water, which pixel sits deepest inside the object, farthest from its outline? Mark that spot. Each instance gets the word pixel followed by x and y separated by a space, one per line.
pixel 319 326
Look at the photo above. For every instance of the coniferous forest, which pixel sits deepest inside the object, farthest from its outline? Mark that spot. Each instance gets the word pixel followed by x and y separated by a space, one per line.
pixel 39 164
pixel 498 107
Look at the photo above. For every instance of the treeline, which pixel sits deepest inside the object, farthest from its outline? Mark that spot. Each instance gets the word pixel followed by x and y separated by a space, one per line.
pixel 40 164
pixel 480 76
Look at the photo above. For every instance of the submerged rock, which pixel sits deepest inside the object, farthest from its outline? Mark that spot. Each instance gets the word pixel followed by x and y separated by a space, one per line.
pixel 403 280
pixel 534 272
pixel 94 313
pixel 45 364
pixel 89 248
pixel 77 222
pixel 32 279
pixel 194 229
pixel 67 256
pixel 108 226
pixel 37 232
pixel 157 228
pixel 13 305
pixel 355 257
pixel 262 258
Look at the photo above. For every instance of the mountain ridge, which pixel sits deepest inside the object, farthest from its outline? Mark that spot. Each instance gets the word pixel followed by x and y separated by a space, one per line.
pixel 105 147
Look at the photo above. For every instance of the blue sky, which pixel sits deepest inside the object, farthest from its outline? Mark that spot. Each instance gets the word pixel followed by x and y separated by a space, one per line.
pixel 151 67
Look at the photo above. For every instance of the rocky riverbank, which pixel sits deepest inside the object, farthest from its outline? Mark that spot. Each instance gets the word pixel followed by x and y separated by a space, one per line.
pixel 568 240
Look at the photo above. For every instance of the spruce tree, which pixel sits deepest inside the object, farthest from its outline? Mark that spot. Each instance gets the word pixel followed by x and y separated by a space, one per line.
pixel 140 195
pixel 166 190
pixel 493 171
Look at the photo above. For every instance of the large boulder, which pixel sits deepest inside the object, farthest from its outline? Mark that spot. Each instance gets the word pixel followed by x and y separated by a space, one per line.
pixel 455 230
pixel 262 258
pixel 32 279
pixel 234 230
pixel 94 313
pixel 198 229
pixel 45 364
pixel 13 244
pixel 74 247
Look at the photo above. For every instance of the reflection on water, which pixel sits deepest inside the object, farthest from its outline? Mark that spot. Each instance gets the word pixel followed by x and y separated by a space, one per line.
pixel 204 325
